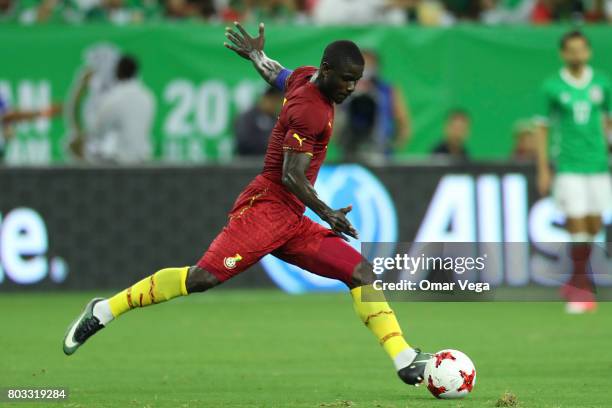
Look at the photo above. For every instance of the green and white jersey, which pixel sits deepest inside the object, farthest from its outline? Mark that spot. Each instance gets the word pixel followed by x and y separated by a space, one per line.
pixel 575 110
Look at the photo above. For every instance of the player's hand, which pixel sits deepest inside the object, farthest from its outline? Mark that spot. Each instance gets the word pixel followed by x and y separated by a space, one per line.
pixel 543 181
pixel 242 43
pixel 53 110
pixel 340 224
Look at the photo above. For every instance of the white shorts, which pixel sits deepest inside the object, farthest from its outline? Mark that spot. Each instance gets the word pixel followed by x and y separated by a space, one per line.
pixel 579 195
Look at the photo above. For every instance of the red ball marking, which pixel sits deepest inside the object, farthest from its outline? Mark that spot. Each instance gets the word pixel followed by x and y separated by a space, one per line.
pixel 436 391
pixel 468 380
pixel 443 356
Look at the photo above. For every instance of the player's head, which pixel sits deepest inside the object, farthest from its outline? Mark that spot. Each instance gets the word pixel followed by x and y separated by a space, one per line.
pixel 341 68
pixel 127 68
pixel 271 101
pixel 457 126
pixel 575 49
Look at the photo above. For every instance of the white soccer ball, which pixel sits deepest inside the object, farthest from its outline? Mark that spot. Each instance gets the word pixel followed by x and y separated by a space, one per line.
pixel 450 374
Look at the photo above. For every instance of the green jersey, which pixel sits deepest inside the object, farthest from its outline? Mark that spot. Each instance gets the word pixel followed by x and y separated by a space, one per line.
pixel 576 110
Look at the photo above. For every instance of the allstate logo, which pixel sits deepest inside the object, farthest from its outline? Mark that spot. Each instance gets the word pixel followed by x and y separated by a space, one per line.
pixel 373 215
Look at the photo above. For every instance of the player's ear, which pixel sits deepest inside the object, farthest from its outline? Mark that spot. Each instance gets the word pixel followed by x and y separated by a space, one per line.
pixel 325 69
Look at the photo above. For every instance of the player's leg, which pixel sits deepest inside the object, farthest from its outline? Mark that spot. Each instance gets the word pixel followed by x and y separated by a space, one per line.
pixel 580 252
pixel 321 252
pixel 572 196
pixel 597 199
pixel 160 287
pixel 594 225
pixel 169 283
pixel 163 285
pixel 374 311
pixel 600 201
pixel 248 236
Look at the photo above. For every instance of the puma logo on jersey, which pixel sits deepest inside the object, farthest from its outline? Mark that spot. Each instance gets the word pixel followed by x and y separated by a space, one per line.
pixel 284 101
pixel 230 261
pixel 330 124
pixel 299 139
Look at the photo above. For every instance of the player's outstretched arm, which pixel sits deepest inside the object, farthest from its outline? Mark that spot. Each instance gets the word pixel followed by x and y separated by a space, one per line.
pixel 295 165
pixel 73 113
pixel 253 49
pixel 26 115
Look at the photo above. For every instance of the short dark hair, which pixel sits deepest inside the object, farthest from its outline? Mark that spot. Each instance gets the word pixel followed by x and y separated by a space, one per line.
pixel 342 53
pixel 127 67
pixel 572 35
pixel 457 113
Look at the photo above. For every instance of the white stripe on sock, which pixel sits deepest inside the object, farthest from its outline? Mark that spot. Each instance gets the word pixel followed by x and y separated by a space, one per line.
pixel 103 312
pixel 404 358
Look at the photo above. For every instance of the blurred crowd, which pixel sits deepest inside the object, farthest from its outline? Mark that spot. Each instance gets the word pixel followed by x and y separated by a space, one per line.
pixel 110 114
pixel 374 124
pixel 352 12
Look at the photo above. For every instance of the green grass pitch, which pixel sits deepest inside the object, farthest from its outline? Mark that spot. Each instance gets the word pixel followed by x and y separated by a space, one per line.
pixel 268 349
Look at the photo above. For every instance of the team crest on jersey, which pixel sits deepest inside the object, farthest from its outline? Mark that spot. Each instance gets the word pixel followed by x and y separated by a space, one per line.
pixel 596 94
pixel 230 261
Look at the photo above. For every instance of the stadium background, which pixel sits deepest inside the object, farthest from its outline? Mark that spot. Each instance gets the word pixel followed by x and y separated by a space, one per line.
pixel 78 231
pixel 495 72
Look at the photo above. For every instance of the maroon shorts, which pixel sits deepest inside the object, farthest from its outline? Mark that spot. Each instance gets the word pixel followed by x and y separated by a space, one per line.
pixel 261 222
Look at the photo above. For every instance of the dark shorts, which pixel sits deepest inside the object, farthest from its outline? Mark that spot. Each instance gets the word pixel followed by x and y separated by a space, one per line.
pixel 261 223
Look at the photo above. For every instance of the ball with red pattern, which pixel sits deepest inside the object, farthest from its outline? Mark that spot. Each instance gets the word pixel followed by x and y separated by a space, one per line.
pixel 450 374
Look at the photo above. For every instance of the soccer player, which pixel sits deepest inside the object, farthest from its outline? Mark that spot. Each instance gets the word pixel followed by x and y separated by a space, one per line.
pixel 577 108
pixel 94 81
pixel 268 216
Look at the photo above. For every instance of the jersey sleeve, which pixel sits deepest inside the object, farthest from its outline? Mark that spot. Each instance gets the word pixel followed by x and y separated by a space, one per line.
pixel 304 122
pixel 545 105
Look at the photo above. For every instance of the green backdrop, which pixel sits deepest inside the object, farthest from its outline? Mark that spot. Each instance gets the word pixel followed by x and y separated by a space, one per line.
pixel 495 73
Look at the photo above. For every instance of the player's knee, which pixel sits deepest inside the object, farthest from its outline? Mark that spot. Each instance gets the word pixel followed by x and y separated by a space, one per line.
pixel 200 280
pixel 594 225
pixel 362 275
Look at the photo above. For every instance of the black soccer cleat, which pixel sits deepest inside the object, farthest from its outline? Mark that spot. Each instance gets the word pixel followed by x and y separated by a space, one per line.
pixel 414 373
pixel 85 326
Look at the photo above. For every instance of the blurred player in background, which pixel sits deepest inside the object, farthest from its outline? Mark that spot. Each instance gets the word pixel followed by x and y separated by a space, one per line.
pixel 252 128
pixel 268 217
pixel 95 79
pixel 456 132
pixel 576 112
pixel 525 146
pixel 376 120
pixel 119 131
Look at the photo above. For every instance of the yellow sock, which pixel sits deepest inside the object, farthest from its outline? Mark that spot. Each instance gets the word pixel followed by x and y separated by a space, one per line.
pixel 380 319
pixel 161 286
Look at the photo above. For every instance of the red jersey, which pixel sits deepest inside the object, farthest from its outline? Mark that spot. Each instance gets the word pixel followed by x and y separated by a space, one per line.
pixel 304 125
pixel 266 218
